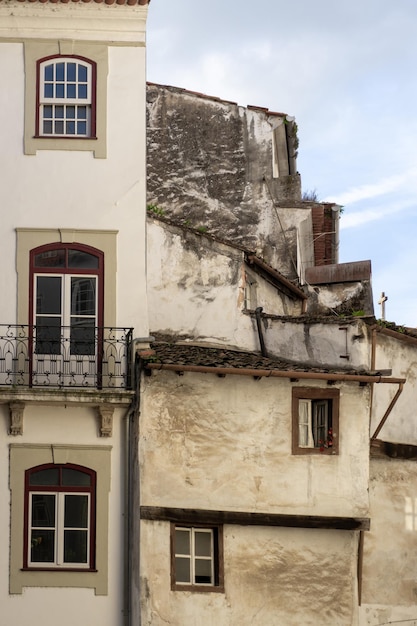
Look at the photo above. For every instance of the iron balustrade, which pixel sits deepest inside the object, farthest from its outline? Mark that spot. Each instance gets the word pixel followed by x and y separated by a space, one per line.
pixel 64 356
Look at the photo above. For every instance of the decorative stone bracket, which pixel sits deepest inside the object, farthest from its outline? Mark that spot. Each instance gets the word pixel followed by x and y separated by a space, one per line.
pixel 16 410
pixel 105 414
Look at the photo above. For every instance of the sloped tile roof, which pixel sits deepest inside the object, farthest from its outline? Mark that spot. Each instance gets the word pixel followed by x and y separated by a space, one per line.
pixel 187 354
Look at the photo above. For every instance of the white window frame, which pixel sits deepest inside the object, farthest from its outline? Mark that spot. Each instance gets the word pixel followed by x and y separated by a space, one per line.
pixel 65 101
pixel 59 530
pixel 192 556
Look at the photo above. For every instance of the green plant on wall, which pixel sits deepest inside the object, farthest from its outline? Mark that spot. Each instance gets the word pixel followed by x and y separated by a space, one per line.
pixel 154 209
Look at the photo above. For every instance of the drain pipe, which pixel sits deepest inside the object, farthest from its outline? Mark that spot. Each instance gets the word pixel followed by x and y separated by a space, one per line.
pixel 139 348
pixel 258 312
pixel 133 506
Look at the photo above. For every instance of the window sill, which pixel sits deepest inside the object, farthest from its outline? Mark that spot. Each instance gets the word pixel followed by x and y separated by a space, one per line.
pixel 71 137
pixel 198 588
pixel 315 451
pixel 58 569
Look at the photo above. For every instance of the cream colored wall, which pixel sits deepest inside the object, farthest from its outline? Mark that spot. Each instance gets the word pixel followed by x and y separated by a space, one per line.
pixel 227 445
pixel 64 426
pixel 73 190
pixel 273 576
pixel 390 566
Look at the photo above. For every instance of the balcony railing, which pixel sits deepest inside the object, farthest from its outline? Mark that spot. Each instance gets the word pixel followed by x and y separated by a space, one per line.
pixel 63 356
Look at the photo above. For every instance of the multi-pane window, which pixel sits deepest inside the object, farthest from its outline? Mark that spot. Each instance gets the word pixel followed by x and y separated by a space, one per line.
pixel 66 296
pixel 60 505
pixel 66 97
pixel 195 557
pixel 315 420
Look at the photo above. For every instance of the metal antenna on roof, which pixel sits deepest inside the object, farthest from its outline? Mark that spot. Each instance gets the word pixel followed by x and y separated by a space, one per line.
pixel 382 302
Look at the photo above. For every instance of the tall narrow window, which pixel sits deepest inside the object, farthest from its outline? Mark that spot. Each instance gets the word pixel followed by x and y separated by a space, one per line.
pixel 66 312
pixel 315 420
pixel 66 97
pixel 60 516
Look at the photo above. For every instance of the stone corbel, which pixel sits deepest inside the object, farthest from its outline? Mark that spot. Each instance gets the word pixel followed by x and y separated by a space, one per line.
pixel 16 410
pixel 105 414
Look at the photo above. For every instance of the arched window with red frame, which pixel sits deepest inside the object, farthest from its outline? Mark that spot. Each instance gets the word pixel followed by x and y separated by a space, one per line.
pixel 66 307
pixel 60 505
pixel 66 97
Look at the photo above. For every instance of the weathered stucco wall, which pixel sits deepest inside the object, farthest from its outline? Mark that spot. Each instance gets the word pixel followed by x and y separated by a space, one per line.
pixel 273 576
pixel 214 164
pixel 335 342
pixel 199 287
pixel 401 357
pixel 389 588
pixel 227 445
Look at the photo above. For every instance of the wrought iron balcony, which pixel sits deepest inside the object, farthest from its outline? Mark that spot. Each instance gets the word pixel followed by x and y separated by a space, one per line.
pixel 63 356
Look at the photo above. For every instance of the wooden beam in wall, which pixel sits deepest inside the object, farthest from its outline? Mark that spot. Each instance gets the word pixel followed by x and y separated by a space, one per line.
pixel 243 518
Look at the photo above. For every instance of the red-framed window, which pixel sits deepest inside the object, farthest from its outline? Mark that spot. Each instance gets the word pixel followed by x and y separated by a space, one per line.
pixel 60 517
pixel 66 97
pixel 66 299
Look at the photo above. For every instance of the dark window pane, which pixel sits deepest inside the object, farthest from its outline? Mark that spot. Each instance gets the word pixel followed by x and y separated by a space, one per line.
pixel 182 541
pixel 202 572
pixel 71 72
pixel 71 91
pixel 80 259
pixel 75 546
pixel 81 128
pixel 70 113
pixel 59 112
pixel 43 510
pixel 82 73
pixel 42 546
pixel 70 128
pixel 47 112
pixel 60 75
pixel 48 295
pixel 202 543
pixel 45 477
pixel 48 335
pixel 76 511
pixel 47 128
pixel 52 258
pixel 75 478
pixel 82 91
pixel 182 570
pixel 83 297
pixel 59 128
pixel 49 72
pixel 60 90
pixel 82 113
pixel 82 336
pixel 48 90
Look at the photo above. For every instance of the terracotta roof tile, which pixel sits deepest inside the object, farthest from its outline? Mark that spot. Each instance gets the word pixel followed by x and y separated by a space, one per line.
pixel 186 354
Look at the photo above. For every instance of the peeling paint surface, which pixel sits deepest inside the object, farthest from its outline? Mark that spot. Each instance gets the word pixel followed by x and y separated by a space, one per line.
pixel 273 576
pixel 227 445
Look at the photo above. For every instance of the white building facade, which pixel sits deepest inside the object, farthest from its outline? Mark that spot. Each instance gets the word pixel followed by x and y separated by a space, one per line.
pixel 72 210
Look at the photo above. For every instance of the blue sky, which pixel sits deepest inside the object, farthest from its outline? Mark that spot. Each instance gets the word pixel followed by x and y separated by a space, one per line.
pixel 347 72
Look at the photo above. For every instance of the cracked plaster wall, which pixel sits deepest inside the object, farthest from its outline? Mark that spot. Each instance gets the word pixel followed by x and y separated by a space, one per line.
pixel 272 578
pixel 198 287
